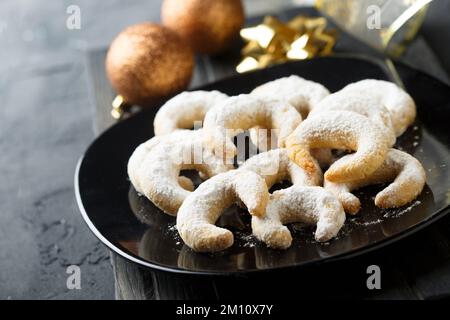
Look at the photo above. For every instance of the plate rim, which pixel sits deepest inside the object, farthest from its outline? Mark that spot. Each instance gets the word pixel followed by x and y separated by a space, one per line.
pixel 339 257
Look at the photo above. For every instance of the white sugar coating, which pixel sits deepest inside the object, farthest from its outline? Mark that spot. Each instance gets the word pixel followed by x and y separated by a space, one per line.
pixel 243 112
pixel 202 208
pixel 275 166
pixel 183 110
pixel 310 205
pixel 361 103
pixel 340 130
pixel 407 177
pixel 364 117
pixel 155 166
pixel 299 203
pixel 301 93
pixel 394 98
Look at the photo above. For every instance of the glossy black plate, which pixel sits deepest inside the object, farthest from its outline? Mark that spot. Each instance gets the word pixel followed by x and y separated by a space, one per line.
pixel 134 228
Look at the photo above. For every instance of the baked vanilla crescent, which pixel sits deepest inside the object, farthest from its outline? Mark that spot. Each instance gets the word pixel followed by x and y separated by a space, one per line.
pixel 309 205
pixel 303 202
pixel 308 125
pixel 302 94
pixel 237 114
pixel 155 166
pixel 202 208
pixel 405 174
pixel 395 99
pixel 361 104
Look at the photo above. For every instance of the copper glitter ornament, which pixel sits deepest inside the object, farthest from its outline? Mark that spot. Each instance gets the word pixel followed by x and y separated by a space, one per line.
pixel 208 25
pixel 146 63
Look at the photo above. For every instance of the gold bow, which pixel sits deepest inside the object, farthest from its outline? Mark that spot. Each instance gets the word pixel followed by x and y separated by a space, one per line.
pixel 275 42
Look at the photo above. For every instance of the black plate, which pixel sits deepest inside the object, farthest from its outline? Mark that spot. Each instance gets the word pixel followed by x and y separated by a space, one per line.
pixel 131 226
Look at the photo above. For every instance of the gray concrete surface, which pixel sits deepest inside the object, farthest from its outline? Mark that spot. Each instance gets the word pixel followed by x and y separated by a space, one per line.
pixel 45 125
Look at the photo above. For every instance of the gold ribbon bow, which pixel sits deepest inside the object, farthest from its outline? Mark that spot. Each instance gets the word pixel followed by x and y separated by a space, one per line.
pixel 275 42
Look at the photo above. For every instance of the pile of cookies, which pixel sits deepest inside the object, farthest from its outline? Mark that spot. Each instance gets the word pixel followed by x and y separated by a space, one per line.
pixel 326 145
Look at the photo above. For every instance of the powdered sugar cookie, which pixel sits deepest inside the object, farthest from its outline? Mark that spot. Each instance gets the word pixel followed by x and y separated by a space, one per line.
pixel 183 110
pixel 310 205
pixel 275 166
pixel 299 203
pixel 155 166
pixel 302 94
pixel 404 170
pixel 340 130
pixel 202 208
pixel 366 105
pixel 394 98
pixel 236 114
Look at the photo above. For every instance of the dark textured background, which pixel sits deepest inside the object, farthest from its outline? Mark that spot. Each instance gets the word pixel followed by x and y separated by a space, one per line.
pixel 46 122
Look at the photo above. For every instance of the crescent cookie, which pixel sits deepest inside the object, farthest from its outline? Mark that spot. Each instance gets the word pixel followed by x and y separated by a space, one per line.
pixel 406 173
pixel 183 110
pixel 394 98
pixel 275 166
pixel 155 166
pixel 299 203
pixel 340 130
pixel 301 93
pixel 360 103
pixel 202 208
pixel 236 114
pixel 310 205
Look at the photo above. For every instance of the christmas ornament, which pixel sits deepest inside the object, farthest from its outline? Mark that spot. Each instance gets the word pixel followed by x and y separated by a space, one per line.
pixel 275 42
pixel 208 25
pixel 146 63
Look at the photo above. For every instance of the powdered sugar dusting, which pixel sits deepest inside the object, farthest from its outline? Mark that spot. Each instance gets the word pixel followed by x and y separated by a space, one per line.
pixel 341 130
pixel 303 94
pixel 396 213
pixel 397 101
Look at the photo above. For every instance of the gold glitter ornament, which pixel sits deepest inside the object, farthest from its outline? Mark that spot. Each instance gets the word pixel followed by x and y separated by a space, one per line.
pixel 208 25
pixel 146 63
pixel 275 42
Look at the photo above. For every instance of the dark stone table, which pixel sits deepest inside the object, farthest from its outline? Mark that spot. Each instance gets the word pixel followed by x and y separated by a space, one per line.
pixel 49 116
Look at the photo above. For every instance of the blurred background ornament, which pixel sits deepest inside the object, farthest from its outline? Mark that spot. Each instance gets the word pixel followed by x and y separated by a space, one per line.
pixel 147 63
pixel 209 26
pixel 275 42
pixel 386 25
